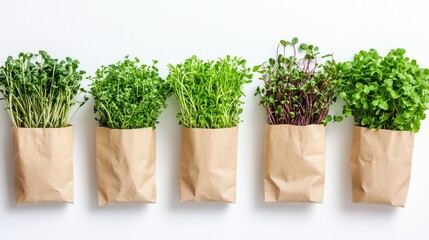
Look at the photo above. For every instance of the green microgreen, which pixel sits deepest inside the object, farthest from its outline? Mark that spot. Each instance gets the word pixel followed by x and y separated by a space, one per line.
pixel 209 92
pixel 128 95
pixel 298 89
pixel 39 90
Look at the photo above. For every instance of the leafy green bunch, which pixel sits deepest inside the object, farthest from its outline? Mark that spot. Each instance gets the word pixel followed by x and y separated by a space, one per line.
pixel 390 92
pixel 39 90
pixel 128 95
pixel 298 90
pixel 209 92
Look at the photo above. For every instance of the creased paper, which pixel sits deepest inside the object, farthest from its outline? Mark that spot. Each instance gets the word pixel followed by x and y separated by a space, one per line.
pixel 126 165
pixel 381 165
pixel 43 164
pixel 208 164
pixel 294 163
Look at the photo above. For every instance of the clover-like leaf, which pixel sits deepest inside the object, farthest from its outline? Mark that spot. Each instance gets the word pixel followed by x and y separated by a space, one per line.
pixel 390 92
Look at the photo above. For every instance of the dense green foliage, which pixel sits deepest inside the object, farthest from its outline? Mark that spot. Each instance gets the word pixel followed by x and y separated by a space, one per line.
pixel 128 95
pixel 298 91
pixel 39 90
pixel 209 92
pixel 390 92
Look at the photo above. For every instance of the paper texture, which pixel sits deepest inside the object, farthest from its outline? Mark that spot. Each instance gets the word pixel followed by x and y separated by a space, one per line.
pixel 126 165
pixel 208 164
pixel 381 165
pixel 43 164
pixel 294 163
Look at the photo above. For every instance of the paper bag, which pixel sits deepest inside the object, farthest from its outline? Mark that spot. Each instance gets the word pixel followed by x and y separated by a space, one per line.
pixel 381 165
pixel 208 164
pixel 126 165
pixel 43 164
pixel 294 163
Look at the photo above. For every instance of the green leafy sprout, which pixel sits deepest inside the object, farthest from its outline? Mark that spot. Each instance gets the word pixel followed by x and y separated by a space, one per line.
pixel 128 95
pixel 390 92
pixel 209 92
pixel 298 90
pixel 39 90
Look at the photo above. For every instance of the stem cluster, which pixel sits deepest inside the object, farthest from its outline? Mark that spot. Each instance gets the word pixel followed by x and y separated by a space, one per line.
pixel 209 92
pixel 298 91
pixel 39 90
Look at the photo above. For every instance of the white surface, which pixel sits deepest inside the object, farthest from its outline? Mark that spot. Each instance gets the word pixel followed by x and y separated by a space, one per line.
pixel 102 32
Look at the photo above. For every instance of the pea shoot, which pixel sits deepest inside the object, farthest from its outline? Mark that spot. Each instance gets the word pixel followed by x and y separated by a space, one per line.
pixel 209 92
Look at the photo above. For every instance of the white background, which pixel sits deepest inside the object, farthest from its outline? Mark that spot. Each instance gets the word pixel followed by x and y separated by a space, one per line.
pixel 102 32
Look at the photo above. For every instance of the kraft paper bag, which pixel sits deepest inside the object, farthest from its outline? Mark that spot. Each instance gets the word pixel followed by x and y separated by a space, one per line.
pixel 208 166
pixel 43 160
pixel 294 163
pixel 126 165
pixel 381 166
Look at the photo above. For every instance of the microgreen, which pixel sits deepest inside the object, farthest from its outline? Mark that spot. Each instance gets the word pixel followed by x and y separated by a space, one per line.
pixel 39 90
pixel 209 92
pixel 128 94
pixel 390 92
pixel 298 90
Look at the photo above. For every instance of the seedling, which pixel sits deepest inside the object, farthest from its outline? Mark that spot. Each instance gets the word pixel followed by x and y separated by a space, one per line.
pixel 209 92
pixel 298 91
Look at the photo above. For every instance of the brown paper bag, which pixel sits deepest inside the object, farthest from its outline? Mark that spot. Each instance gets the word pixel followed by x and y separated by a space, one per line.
pixel 126 165
pixel 43 164
pixel 294 163
pixel 208 164
pixel 381 165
